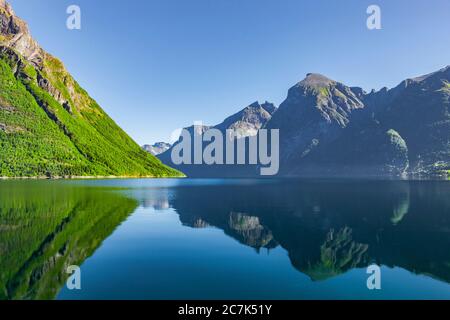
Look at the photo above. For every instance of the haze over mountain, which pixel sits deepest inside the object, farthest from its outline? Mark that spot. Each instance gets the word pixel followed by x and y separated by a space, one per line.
pixel 245 123
pixel 50 126
pixel 330 129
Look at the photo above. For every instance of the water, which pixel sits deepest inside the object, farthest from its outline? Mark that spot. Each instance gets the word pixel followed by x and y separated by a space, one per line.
pixel 225 239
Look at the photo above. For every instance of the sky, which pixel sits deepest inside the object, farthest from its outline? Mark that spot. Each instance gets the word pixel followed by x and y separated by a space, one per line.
pixel 158 65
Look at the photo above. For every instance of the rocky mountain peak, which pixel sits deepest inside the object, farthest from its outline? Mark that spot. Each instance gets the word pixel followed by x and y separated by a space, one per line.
pixel 4 5
pixel 249 120
pixel 316 80
pixel 261 107
pixel 157 148
pixel 14 34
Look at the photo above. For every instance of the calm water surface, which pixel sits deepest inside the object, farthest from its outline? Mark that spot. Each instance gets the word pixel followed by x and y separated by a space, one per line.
pixel 224 239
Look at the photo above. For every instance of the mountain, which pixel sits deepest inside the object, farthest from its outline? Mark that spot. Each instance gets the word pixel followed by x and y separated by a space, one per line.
pixel 327 128
pixel 50 126
pixel 245 123
pixel 330 129
pixel 157 148
pixel 248 121
pixel 317 110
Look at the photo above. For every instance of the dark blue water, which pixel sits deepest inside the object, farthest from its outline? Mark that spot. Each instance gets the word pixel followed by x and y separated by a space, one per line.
pixel 230 239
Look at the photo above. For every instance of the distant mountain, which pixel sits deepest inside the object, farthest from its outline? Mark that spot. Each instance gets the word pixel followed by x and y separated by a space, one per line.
pixel 245 123
pixel 157 148
pixel 50 126
pixel 327 128
pixel 330 129
pixel 317 109
pixel 248 121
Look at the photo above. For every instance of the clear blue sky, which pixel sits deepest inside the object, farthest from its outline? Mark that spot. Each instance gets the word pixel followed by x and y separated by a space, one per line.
pixel 158 65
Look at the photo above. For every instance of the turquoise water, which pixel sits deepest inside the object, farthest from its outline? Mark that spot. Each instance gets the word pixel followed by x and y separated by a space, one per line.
pixel 225 239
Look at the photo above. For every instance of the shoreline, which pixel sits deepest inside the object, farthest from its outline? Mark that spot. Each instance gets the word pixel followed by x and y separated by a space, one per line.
pixel 87 178
pixel 406 177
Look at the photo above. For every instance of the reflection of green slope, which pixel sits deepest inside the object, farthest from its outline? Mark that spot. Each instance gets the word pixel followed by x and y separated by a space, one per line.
pixel 44 229
pixel 338 254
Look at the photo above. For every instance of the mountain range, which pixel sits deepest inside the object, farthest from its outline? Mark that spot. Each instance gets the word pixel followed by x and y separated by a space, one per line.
pixel 327 128
pixel 330 129
pixel 49 125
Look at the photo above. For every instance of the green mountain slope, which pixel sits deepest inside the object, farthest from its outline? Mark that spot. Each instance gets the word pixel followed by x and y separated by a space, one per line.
pixel 50 126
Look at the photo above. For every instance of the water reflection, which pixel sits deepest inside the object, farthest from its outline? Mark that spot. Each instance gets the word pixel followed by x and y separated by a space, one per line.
pixel 330 227
pixel 327 227
pixel 46 227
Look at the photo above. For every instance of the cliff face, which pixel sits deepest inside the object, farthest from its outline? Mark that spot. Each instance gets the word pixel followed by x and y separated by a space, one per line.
pixel 15 34
pixel 50 126
pixel 327 128
pixel 316 112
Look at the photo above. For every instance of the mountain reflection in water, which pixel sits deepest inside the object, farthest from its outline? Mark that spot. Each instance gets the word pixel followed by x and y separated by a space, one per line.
pixel 327 227
pixel 46 227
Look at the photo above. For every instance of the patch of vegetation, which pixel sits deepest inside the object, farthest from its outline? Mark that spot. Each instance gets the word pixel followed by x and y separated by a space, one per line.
pixel 57 140
pixel 324 91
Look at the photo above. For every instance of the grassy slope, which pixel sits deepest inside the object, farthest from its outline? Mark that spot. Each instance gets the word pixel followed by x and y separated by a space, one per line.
pixel 39 137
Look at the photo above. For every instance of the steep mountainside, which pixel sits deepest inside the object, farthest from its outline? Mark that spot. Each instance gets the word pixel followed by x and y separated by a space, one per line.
pixel 327 128
pixel 49 126
pixel 317 111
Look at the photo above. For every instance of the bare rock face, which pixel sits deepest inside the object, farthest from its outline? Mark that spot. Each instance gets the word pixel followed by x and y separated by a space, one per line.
pixel 15 39
pixel 316 112
pixel 15 34
pixel 157 148
pixel 248 121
